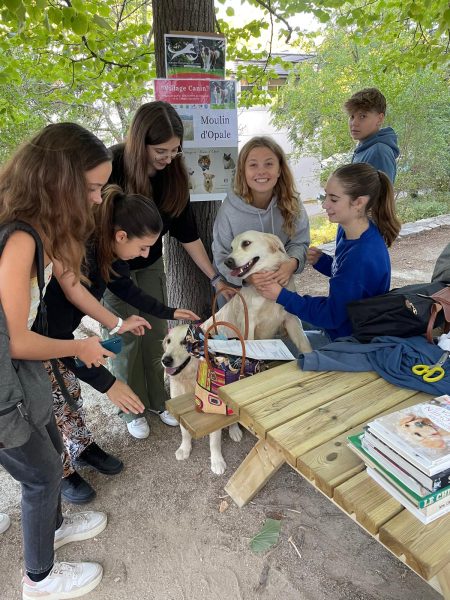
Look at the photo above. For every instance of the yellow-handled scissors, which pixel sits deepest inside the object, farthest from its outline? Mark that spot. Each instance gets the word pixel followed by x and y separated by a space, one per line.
pixel 431 373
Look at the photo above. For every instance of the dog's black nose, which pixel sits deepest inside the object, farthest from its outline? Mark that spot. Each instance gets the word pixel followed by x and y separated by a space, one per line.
pixel 167 361
pixel 230 263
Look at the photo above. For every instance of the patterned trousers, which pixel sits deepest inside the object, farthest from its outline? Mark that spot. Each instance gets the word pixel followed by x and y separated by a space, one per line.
pixel 71 423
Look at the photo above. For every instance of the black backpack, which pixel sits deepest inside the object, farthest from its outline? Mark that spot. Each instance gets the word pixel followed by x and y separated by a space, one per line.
pixel 25 388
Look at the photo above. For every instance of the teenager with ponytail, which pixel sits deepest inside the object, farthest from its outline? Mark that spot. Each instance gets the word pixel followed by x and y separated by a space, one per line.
pixel 126 226
pixel 150 162
pixel 361 200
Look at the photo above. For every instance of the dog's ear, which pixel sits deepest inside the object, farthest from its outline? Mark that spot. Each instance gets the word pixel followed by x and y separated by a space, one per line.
pixel 406 419
pixel 275 244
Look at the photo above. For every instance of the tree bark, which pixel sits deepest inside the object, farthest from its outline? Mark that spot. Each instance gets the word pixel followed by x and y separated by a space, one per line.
pixel 187 286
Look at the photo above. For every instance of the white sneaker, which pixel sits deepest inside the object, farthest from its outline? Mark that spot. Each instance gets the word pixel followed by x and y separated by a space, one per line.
pixel 80 526
pixel 167 418
pixel 66 580
pixel 139 428
pixel 5 522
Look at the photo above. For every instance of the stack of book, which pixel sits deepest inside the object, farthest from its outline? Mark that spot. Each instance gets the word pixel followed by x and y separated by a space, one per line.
pixel 408 453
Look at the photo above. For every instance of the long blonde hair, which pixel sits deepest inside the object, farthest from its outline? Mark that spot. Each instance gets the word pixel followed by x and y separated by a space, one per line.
pixel 44 183
pixel 288 199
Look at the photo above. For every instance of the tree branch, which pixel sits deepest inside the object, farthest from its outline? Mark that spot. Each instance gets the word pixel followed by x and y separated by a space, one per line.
pixel 277 16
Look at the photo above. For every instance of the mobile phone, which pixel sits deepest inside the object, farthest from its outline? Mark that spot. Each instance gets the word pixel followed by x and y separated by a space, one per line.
pixel 113 344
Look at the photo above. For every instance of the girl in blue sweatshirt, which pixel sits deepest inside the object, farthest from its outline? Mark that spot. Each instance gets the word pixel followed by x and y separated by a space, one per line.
pixel 361 200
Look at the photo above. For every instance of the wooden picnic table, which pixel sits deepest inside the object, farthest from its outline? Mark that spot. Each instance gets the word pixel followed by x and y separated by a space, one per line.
pixel 303 418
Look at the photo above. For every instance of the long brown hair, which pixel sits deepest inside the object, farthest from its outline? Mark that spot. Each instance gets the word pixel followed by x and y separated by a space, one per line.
pixel 288 199
pixel 133 213
pixel 361 179
pixel 156 123
pixel 44 183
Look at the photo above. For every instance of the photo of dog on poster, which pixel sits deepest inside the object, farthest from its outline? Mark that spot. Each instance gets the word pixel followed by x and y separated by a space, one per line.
pixel 194 56
pixel 223 94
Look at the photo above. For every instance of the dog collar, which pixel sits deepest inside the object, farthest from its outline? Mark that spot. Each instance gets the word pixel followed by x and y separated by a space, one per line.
pixel 182 366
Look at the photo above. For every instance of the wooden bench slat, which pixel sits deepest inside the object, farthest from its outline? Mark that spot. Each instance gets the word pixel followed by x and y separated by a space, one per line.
pixel 251 389
pixel 282 406
pixel 426 547
pixel 318 426
pixel 368 501
pixel 198 424
pixel 180 404
pixel 332 463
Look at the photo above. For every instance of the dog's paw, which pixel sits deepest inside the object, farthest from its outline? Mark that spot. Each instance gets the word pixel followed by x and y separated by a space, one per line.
pixel 218 465
pixel 235 432
pixel 183 452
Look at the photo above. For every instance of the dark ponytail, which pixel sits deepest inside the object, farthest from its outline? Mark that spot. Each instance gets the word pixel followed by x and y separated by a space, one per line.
pixel 361 179
pixel 132 213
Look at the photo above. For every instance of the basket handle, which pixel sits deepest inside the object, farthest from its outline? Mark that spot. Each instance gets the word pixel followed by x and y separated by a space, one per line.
pixel 244 303
pixel 236 331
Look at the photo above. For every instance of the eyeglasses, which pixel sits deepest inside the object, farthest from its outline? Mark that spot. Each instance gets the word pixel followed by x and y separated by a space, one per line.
pixel 163 154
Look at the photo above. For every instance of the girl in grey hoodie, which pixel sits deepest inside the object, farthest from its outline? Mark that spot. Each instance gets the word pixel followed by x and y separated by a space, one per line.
pixel 264 199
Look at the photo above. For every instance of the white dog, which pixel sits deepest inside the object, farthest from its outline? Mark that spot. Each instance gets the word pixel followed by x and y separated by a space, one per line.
pixel 208 182
pixel 252 252
pixel 256 252
pixel 182 370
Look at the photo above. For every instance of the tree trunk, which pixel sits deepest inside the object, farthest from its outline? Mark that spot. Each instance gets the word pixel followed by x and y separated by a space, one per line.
pixel 187 285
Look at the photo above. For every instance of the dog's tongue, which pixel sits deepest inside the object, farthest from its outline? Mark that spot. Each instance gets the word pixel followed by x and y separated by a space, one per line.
pixel 170 370
pixel 236 272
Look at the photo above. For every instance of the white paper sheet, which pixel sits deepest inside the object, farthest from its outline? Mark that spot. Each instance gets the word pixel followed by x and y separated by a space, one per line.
pixel 260 349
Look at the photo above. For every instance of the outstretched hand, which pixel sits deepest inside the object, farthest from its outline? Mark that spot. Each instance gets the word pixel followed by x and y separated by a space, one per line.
pixel 135 324
pixel 270 290
pixel 221 287
pixel 313 255
pixel 124 398
pixel 182 314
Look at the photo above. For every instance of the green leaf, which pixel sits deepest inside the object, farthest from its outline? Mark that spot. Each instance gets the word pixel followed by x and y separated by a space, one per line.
pixel 267 537
pixel 230 11
pixel 13 5
pixel 80 24
pixel 101 22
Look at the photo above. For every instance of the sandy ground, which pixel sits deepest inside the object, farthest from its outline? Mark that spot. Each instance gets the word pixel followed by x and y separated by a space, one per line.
pixel 167 540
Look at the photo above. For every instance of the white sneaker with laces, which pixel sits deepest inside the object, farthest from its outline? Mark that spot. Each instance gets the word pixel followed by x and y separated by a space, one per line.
pixel 5 522
pixel 139 428
pixel 80 526
pixel 65 580
pixel 167 418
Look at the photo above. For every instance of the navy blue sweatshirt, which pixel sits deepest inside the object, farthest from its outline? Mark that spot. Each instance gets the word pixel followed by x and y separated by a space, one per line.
pixel 360 269
pixel 379 150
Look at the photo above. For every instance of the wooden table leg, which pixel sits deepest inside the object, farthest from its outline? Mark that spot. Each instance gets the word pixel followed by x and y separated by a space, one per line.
pixel 256 469
pixel 443 581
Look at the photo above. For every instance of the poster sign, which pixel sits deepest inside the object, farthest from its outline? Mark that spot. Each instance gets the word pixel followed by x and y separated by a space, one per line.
pixel 208 111
pixel 194 57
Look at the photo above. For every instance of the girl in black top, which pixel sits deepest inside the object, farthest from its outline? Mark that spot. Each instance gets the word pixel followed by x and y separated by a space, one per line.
pixel 126 226
pixel 150 163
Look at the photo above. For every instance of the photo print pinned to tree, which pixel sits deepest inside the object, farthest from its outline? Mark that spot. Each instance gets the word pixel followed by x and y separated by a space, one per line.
pixel 192 57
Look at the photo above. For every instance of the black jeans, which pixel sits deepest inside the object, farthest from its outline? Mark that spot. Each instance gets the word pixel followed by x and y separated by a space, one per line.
pixel 37 465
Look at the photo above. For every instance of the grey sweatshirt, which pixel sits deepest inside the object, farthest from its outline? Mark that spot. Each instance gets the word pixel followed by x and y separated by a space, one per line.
pixel 236 216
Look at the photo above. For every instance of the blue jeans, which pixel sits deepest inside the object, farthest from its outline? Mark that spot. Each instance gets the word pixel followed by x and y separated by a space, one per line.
pixel 37 465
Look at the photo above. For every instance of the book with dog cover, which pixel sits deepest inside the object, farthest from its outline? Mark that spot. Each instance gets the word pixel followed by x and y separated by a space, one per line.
pixel 421 433
pixel 430 482
pixel 418 495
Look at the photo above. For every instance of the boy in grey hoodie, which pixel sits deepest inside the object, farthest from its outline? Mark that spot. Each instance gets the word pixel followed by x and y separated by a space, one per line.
pixel 377 146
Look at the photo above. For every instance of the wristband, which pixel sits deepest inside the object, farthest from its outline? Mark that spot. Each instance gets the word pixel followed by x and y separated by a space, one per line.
pixel 117 327
pixel 215 278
